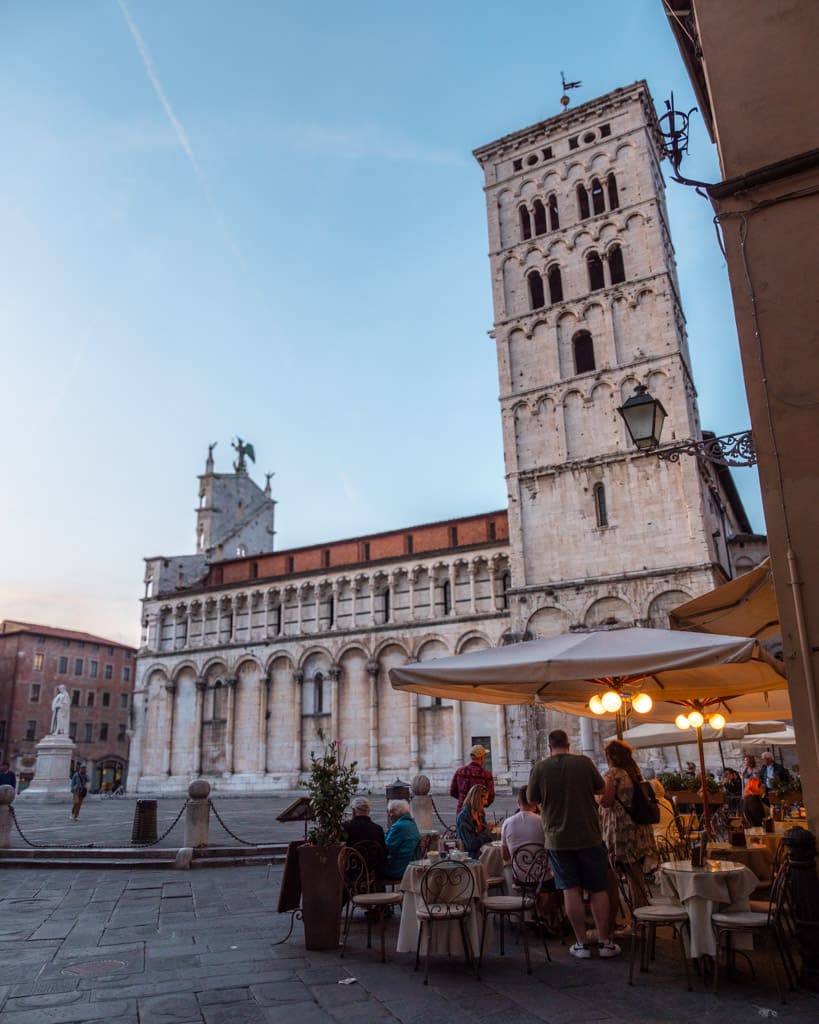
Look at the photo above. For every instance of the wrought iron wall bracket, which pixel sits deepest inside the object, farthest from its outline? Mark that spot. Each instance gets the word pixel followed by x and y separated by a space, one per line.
pixel 728 450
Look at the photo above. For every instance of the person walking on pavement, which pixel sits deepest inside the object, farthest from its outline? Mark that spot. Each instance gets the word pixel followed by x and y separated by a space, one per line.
pixel 472 774
pixel 7 776
pixel 566 786
pixel 79 790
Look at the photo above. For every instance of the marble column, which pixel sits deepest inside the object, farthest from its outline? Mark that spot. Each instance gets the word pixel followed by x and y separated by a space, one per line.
pixel 170 690
pixel 457 727
pixel 264 718
pixel 334 672
pixel 199 714
pixel 372 672
pixel 502 766
pixel 472 570
pixel 453 589
pixel 298 679
pixel 413 733
pixel 230 728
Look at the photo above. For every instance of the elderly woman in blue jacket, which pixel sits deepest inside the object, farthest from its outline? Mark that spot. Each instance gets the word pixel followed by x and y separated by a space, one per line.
pixel 402 838
pixel 471 827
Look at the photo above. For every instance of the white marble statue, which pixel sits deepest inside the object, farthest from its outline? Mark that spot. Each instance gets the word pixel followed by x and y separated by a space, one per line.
pixel 59 712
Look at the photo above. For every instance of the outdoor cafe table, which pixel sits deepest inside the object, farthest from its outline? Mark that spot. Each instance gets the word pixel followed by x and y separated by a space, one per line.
pixel 757 857
pixel 444 940
pixel 721 884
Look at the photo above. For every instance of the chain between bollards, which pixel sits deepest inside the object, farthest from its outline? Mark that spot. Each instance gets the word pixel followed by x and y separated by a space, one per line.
pixel 230 832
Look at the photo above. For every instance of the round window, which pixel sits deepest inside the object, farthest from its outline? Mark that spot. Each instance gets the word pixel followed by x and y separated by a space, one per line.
pixel 530 160
pixel 588 137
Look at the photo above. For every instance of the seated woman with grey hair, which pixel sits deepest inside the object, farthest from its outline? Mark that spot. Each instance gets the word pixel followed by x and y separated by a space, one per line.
pixel 367 836
pixel 402 839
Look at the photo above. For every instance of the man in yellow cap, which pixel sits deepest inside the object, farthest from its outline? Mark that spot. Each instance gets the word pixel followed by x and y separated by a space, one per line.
pixel 472 774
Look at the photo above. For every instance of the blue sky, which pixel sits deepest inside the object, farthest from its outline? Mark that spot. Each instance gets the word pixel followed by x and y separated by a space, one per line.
pixel 264 219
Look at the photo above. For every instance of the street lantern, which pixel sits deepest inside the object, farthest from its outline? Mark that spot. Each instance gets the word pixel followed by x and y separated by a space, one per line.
pixel 644 417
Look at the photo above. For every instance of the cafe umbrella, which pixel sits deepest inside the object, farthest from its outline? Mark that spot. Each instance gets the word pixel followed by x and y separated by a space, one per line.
pixel 614 670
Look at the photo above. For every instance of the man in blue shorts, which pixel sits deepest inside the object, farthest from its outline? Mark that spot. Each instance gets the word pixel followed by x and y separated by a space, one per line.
pixel 565 785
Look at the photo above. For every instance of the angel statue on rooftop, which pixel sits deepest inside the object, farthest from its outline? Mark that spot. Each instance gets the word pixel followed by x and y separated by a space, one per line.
pixel 242 449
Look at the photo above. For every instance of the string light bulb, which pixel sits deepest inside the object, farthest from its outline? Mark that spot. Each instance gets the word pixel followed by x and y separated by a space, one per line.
pixel 596 705
pixel 695 719
pixel 642 703
pixel 681 721
pixel 716 721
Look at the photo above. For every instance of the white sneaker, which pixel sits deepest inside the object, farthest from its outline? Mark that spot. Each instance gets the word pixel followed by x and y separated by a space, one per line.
pixel 608 949
pixel 581 950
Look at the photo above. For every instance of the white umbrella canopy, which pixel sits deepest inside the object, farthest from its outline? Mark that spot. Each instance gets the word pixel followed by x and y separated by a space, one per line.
pixel 745 606
pixel 787 738
pixel 654 735
pixel 667 664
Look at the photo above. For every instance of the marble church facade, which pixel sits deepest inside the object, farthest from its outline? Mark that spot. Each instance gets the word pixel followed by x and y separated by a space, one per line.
pixel 250 656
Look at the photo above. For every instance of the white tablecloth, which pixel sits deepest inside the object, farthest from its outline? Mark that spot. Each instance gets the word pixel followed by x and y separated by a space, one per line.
pixel 723 885
pixel 445 939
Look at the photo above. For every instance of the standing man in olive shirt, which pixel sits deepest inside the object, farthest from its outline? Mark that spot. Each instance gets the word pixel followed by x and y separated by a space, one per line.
pixel 565 785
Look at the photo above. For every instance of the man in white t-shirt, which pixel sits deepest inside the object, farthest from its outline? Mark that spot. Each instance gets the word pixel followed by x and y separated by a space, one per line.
pixel 521 828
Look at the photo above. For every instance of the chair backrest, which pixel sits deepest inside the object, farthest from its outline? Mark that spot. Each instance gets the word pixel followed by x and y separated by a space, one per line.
pixel 447 885
pixel 355 875
pixel 530 868
pixel 374 856
pixel 780 889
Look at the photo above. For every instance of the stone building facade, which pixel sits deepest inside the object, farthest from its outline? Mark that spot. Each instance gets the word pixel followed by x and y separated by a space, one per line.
pixel 248 661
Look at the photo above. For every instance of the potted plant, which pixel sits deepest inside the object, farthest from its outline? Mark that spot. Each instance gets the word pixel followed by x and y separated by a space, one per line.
pixel 331 785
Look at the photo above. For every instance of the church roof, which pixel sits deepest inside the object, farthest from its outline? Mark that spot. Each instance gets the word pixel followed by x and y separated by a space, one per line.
pixel 9 626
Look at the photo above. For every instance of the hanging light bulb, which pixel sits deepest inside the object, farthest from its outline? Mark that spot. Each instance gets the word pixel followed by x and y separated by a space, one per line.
pixel 717 721
pixel 611 700
pixel 642 703
pixel 596 705
pixel 695 719
pixel 681 721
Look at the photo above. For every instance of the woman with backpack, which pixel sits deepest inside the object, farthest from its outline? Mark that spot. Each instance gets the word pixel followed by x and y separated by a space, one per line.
pixel 628 841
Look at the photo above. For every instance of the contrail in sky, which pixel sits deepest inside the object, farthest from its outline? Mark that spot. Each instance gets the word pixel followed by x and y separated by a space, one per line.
pixel 176 124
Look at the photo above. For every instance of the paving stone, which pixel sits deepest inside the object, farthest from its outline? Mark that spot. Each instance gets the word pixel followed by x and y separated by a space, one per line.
pixel 224 996
pixel 238 1013
pixel 123 1011
pixel 168 1009
pixel 44 999
pixel 303 1013
pixel 269 993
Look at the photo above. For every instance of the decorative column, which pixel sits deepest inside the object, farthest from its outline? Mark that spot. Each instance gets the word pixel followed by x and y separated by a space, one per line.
pixel 453 589
pixel 298 679
pixel 457 726
pixel 473 571
pixel 300 610
pixel 413 733
pixel 188 625
pixel 412 579
pixel 230 728
pixel 218 621
pixel 432 593
pixel 502 766
pixel 199 714
pixel 264 718
pixel 372 672
pixel 372 600
pixel 170 690
pixel 334 672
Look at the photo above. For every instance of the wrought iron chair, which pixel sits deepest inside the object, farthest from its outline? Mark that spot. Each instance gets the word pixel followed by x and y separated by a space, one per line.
pixel 447 894
pixel 359 885
pixel 646 920
pixel 530 871
pixel 769 925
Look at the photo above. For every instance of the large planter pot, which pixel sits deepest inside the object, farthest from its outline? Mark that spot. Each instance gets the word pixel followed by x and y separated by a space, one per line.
pixel 321 894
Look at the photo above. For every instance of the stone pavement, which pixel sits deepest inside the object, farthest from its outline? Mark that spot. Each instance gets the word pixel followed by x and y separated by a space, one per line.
pixel 165 947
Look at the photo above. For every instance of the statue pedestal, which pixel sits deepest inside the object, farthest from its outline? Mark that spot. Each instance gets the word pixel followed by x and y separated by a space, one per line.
pixel 52 776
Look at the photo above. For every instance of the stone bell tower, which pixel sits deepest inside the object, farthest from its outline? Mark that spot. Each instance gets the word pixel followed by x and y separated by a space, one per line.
pixel 587 306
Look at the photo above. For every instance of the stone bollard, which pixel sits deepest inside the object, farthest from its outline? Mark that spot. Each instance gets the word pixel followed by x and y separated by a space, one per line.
pixel 197 814
pixel 421 803
pixel 6 800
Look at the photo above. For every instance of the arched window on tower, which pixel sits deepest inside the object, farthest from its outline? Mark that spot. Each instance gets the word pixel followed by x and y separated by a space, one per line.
pixel 583 202
pixel 554 219
pixel 600 512
pixel 611 183
pixel 446 595
pixel 617 272
pixel 506 586
pixel 595 267
pixel 598 200
pixel 525 222
pixel 555 284
pixel 318 694
pixel 540 217
pixel 583 352
pixel 536 296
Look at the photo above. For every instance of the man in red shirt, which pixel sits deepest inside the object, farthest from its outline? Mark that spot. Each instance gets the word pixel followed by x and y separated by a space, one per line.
pixel 472 774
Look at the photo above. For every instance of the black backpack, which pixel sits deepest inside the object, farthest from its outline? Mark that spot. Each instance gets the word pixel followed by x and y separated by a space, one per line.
pixel 644 808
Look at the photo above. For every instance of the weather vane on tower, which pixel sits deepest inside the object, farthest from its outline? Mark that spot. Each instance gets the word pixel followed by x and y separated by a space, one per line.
pixel 564 99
